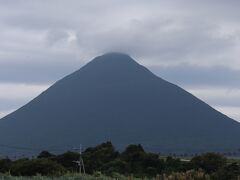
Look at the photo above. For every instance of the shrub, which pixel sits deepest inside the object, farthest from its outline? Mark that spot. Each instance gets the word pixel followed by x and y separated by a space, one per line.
pixel 33 167
pixel 210 162
pixel 5 165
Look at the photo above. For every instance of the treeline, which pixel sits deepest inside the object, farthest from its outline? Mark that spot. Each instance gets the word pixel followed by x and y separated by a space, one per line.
pixel 132 161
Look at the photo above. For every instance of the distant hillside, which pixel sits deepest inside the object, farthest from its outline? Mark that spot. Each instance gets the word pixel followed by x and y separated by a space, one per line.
pixel 114 98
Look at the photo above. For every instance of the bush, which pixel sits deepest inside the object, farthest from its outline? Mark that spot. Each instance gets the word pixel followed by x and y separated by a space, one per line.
pixel 229 172
pixel 34 167
pixel 5 165
pixel 115 166
pixel 210 162
pixel 67 160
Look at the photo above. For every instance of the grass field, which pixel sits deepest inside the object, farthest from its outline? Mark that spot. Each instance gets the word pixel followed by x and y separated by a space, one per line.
pixel 190 175
pixel 68 177
pixel 233 160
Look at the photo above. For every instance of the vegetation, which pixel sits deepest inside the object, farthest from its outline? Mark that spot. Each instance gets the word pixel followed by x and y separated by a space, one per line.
pixel 104 162
pixel 178 176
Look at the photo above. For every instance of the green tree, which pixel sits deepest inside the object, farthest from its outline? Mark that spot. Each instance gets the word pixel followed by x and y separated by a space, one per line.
pixel 45 154
pixel 172 165
pixel 210 162
pixel 141 163
pixel 67 160
pixel 96 158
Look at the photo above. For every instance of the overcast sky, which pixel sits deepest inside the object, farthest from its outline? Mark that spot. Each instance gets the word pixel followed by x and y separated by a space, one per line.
pixel 194 44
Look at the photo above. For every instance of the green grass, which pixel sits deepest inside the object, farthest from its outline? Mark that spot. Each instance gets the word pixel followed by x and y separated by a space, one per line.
pixel 188 175
pixel 233 160
pixel 69 177
pixel 66 177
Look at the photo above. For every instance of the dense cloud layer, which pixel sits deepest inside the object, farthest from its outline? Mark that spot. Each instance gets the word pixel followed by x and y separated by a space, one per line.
pixel 192 43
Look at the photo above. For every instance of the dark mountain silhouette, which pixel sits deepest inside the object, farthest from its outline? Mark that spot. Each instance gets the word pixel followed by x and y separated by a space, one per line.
pixel 114 98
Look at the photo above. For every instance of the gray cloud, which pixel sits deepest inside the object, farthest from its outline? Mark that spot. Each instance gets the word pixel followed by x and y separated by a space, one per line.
pixel 39 69
pixel 155 32
pixel 188 75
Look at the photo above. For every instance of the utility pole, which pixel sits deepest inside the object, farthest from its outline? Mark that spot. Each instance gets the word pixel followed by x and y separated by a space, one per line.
pixel 80 162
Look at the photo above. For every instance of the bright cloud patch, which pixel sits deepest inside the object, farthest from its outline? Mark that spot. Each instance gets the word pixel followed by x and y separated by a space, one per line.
pixel 225 100
pixel 233 112
pixel 20 91
pixel 13 96
pixel 4 113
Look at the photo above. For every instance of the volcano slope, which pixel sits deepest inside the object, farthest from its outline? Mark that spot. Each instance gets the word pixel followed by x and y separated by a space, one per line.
pixel 114 98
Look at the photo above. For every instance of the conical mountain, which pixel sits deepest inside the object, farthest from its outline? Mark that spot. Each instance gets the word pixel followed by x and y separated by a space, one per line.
pixel 114 98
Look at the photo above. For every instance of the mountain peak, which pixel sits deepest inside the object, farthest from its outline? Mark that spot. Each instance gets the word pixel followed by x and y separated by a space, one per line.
pixel 115 58
pixel 113 66
pixel 115 54
pixel 110 68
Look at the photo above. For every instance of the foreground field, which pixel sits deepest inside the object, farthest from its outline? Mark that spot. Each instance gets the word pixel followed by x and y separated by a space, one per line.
pixel 191 175
pixel 67 177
